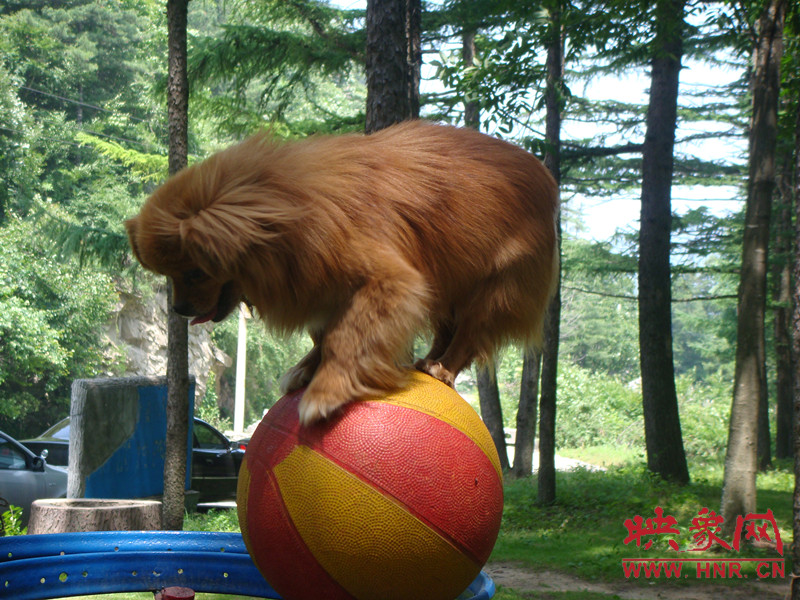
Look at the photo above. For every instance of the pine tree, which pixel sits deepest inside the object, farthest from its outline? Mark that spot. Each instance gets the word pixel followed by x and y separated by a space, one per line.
pixel 665 454
pixel 739 482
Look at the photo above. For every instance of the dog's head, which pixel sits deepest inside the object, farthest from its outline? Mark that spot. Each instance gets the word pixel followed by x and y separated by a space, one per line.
pixel 216 225
pixel 202 289
pixel 194 229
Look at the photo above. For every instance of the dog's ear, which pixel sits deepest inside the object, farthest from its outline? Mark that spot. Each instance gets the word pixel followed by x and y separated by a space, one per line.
pixel 236 220
pixel 132 227
pixel 218 239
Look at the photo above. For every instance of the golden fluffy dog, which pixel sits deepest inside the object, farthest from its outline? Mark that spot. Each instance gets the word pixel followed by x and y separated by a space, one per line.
pixel 363 241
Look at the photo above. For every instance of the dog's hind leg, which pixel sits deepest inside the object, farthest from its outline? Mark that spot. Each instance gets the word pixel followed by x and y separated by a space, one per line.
pixel 447 366
pixel 363 346
pixel 499 311
pixel 442 336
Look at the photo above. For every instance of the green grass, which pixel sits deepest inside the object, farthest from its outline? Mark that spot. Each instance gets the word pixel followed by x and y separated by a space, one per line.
pixel 605 456
pixel 213 520
pixel 509 594
pixel 583 531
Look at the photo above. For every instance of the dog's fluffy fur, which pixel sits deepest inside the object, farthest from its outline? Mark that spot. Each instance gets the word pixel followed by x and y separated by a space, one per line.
pixel 364 241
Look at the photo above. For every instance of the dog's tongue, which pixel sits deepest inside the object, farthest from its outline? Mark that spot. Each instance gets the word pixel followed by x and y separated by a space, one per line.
pixel 203 318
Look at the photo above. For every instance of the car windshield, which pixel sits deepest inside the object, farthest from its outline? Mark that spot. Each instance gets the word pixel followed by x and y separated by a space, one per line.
pixel 11 457
pixel 59 431
pixel 208 438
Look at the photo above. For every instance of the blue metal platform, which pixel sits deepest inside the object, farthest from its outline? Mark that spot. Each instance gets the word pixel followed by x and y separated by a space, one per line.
pixel 36 567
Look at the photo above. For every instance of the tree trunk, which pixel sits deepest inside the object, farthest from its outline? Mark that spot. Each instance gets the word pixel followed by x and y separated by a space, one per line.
pixel 177 328
pixel 795 299
pixel 387 63
pixel 739 481
pixel 763 449
pixel 491 411
pixel 414 50
pixel 472 114
pixel 665 454
pixel 488 393
pixel 784 376
pixel 546 479
pixel 525 440
pixel 63 515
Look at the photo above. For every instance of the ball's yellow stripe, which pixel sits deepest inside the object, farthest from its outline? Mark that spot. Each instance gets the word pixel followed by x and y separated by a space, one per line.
pixel 394 548
pixel 425 394
pixel 242 491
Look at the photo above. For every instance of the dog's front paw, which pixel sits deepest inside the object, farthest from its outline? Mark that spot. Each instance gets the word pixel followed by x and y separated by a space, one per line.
pixel 436 370
pixel 316 406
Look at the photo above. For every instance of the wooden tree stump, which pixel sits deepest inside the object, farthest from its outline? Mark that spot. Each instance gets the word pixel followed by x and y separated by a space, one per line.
pixel 64 515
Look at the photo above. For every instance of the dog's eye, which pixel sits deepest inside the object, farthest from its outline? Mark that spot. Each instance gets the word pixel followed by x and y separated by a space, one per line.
pixel 194 277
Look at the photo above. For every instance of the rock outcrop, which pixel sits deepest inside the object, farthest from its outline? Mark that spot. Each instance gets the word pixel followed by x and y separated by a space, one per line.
pixel 138 333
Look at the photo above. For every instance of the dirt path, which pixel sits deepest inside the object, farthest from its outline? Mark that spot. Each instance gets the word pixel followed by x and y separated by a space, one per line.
pixel 524 580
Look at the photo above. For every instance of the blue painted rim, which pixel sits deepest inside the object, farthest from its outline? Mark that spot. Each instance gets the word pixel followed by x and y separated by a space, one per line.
pixel 37 567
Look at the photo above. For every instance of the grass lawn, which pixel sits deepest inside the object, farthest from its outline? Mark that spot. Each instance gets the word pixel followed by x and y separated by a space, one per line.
pixel 584 530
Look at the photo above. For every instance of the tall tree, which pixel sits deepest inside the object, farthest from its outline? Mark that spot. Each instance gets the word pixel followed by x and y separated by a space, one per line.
pixel 784 255
pixel 665 453
pixel 749 388
pixel 178 339
pixel 389 74
pixel 795 318
pixel 486 375
pixel 414 54
pixel 552 159
pixel 782 298
pixel 525 439
pixel 491 411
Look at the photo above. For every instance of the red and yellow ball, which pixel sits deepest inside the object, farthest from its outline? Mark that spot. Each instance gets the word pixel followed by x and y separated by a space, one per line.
pixel 398 496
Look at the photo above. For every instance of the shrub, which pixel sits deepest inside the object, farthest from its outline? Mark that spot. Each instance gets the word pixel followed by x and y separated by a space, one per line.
pixel 597 409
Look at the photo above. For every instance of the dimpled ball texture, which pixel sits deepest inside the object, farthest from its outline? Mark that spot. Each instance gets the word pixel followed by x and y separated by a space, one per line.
pixel 397 496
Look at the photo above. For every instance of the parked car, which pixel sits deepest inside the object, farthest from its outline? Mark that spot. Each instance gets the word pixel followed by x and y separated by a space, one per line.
pixel 25 476
pixel 215 463
pixel 215 459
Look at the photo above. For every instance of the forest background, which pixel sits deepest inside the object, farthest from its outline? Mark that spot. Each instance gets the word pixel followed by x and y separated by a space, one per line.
pixel 83 141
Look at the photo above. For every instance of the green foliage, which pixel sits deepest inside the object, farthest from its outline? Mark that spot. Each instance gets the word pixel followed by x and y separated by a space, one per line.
pixel 213 520
pixel 51 319
pixel 305 83
pixel 92 231
pixel 80 66
pixel 146 168
pixel 595 408
pixel 19 167
pixel 208 408
pixel 599 325
pixel 269 356
pixel 704 409
pixel 12 521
